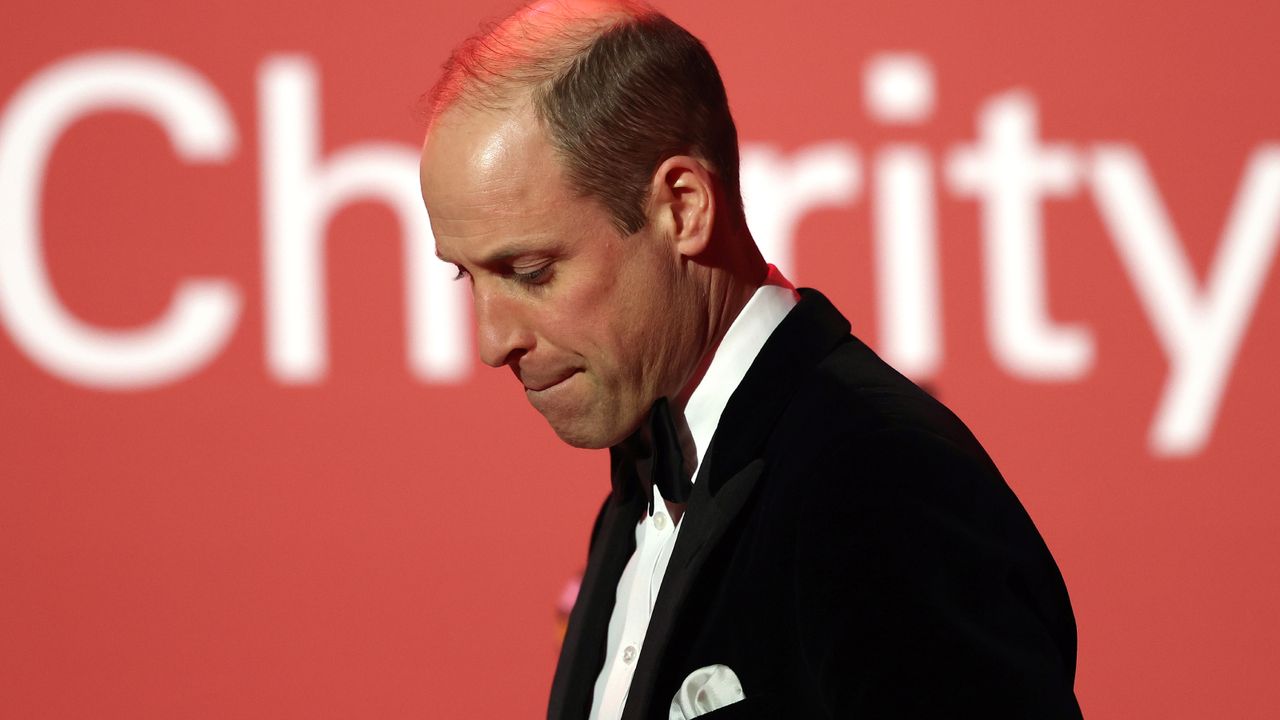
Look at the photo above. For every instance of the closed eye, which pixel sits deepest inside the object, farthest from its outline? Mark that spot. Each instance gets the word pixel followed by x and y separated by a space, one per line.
pixel 537 276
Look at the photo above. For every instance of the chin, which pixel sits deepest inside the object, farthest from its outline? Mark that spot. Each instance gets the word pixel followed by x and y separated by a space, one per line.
pixel 584 438
pixel 590 433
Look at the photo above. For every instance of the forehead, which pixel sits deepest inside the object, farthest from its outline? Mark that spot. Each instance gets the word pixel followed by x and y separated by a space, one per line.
pixel 498 153
pixel 495 189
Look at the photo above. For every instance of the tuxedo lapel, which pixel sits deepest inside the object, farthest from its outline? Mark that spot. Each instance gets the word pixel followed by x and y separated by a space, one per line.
pixel 731 468
pixel 582 654
pixel 807 335
pixel 704 522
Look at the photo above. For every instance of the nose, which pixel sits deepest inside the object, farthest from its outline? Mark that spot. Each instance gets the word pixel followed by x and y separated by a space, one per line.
pixel 502 331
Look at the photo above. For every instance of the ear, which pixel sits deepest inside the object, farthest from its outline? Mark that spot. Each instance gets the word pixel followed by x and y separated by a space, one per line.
pixel 684 203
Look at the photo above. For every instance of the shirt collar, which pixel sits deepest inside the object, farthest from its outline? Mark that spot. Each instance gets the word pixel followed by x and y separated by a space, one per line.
pixel 733 357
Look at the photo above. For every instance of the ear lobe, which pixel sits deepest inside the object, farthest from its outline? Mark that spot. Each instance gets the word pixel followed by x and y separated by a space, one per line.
pixel 686 201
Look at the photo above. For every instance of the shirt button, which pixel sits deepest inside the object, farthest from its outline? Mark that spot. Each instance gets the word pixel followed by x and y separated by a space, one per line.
pixel 660 521
pixel 628 654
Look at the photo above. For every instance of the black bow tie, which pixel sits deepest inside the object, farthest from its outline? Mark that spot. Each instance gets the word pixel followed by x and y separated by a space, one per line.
pixel 664 459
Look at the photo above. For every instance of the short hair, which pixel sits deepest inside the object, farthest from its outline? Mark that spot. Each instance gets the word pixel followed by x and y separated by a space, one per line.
pixel 619 92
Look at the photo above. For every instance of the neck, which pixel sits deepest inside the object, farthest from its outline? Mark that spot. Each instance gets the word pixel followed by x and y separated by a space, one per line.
pixel 730 283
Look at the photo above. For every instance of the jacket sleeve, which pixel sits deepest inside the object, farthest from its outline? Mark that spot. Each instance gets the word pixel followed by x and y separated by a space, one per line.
pixel 925 589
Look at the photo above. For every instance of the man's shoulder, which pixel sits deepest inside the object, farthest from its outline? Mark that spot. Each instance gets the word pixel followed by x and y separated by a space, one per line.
pixel 853 399
pixel 815 386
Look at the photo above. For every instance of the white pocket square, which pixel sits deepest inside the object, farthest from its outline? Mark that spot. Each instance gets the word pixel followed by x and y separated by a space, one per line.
pixel 706 689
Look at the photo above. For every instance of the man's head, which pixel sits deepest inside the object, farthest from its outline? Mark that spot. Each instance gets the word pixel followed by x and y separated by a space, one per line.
pixel 581 169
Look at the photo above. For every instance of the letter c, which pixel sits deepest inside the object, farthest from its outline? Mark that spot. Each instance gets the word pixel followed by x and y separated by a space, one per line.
pixel 203 312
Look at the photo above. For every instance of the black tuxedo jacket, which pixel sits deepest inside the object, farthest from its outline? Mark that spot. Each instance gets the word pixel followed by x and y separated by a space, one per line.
pixel 849 550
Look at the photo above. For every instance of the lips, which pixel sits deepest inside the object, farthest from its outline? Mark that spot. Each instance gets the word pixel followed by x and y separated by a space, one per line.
pixel 538 383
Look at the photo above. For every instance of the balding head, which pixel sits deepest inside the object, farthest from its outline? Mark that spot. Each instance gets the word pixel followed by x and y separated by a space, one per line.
pixel 617 86
pixel 529 48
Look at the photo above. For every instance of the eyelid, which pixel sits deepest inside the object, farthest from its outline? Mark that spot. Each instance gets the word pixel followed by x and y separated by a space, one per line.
pixel 537 275
pixel 534 274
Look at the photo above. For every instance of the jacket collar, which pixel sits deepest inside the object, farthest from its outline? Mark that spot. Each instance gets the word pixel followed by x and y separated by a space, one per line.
pixel 807 335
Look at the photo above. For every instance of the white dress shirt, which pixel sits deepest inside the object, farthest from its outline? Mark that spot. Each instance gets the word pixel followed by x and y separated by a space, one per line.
pixel 656 535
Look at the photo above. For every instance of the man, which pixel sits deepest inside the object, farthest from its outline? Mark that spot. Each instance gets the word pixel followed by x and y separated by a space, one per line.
pixel 794 529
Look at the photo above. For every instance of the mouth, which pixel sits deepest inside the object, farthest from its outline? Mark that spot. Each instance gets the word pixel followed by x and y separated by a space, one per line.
pixel 543 386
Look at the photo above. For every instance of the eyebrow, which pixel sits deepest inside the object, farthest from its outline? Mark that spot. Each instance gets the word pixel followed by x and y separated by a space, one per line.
pixel 502 255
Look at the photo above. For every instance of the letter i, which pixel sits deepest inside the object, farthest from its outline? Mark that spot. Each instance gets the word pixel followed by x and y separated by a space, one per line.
pixel 898 89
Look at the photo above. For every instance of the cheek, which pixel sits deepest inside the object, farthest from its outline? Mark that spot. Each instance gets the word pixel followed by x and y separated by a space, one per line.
pixel 616 311
pixel 576 320
pixel 646 306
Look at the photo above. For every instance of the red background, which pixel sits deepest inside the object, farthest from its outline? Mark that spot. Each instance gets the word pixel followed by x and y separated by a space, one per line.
pixel 374 545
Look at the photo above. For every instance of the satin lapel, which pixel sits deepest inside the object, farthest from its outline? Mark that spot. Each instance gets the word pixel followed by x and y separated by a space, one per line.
pixel 705 520
pixel 582 654
pixel 733 465
pixel 809 333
